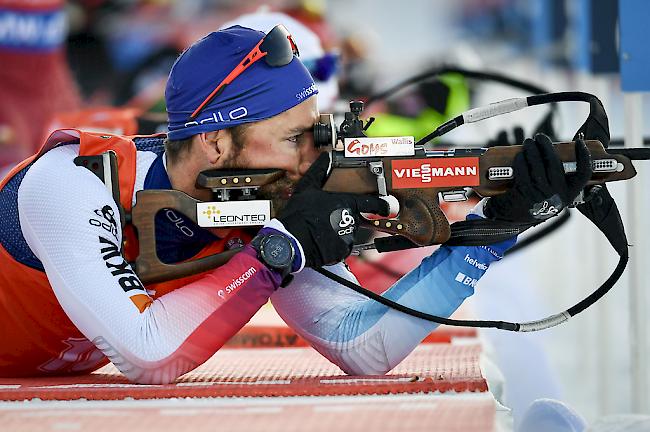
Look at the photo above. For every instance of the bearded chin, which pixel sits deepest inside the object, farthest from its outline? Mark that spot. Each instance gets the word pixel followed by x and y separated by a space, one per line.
pixel 276 193
pixel 278 205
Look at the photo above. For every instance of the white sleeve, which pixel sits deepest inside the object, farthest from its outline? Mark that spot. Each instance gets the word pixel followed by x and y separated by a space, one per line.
pixel 71 222
pixel 337 322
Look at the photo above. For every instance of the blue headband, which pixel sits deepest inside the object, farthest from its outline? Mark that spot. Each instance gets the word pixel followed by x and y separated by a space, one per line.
pixel 258 93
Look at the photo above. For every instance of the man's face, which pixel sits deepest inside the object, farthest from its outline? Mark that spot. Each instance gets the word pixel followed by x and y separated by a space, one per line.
pixel 285 142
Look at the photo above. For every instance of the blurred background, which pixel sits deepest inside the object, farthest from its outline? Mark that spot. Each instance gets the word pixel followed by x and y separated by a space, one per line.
pixel 102 65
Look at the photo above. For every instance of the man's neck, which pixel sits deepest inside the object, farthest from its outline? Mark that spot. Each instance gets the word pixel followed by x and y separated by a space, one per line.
pixel 182 175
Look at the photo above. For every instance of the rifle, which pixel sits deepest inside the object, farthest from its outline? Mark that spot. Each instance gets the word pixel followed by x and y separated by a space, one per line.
pixel 416 176
pixel 419 177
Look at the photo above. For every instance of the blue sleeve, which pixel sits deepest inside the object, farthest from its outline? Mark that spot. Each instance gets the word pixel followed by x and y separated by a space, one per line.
pixel 452 270
pixel 437 286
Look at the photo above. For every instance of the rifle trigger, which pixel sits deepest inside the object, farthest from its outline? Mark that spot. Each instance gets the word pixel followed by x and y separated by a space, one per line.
pixel 454 195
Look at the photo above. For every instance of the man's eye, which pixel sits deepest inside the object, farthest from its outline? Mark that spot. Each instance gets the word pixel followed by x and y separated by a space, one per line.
pixel 294 139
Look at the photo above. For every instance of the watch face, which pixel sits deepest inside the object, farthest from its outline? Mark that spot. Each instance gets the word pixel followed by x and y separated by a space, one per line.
pixel 276 250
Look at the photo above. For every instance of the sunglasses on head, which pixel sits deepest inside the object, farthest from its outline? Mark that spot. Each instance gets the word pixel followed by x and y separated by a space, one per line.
pixel 277 49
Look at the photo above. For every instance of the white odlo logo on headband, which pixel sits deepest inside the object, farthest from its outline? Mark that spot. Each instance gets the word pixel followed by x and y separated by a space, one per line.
pixel 347 223
pixel 218 117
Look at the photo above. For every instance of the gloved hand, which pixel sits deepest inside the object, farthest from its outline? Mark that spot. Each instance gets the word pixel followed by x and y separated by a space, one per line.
pixel 324 223
pixel 541 189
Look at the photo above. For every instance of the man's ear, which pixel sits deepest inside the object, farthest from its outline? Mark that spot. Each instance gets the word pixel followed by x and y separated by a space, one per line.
pixel 215 145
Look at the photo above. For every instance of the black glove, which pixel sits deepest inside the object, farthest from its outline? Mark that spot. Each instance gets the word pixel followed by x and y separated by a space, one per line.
pixel 325 222
pixel 541 189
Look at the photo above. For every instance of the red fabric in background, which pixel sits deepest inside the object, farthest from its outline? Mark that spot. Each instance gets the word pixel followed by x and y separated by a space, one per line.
pixel 26 5
pixel 34 85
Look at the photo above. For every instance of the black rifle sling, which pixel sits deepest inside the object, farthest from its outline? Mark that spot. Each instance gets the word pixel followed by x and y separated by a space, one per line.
pixel 600 208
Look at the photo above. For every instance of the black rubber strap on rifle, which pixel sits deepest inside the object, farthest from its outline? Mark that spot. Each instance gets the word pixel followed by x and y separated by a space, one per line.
pixel 474 232
pixel 479 232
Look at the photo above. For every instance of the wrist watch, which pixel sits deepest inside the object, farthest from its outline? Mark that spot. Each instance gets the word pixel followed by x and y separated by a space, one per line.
pixel 276 251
